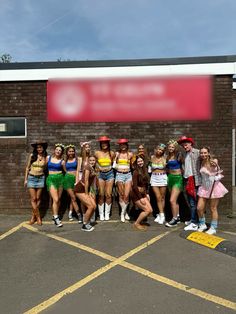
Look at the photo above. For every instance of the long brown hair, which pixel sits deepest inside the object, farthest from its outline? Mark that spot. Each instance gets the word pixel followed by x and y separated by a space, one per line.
pixel 142 171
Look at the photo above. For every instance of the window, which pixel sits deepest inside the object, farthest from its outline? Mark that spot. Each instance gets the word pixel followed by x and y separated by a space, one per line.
pixel 12 127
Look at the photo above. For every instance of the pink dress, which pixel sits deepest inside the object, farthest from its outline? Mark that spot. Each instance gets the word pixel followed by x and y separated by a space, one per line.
pixel 210 188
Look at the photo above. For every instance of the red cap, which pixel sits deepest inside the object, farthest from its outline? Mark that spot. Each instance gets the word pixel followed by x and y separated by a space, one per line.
pixel 104 139
pixel 122 141
pixel 185 139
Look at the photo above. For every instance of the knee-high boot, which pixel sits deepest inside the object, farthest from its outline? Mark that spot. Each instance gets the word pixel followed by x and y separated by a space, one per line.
pixel 107 211
pixel 101 211
pixel 123 214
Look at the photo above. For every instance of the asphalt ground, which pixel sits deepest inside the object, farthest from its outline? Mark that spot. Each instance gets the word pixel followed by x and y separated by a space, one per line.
pixel 113 269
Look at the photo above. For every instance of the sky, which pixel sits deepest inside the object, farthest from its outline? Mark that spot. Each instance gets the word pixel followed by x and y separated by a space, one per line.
pixel 48 30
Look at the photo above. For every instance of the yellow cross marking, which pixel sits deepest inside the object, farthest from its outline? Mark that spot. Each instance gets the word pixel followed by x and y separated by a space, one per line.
pixel 121 261
pixel 113 261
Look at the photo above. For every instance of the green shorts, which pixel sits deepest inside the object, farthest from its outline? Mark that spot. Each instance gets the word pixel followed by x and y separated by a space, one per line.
pixel 175 181
pixel 69 181
pixel 55 180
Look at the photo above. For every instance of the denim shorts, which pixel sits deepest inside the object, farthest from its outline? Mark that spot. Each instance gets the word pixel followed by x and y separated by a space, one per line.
pixel 123 177
pixel 35 182
pixel 106 176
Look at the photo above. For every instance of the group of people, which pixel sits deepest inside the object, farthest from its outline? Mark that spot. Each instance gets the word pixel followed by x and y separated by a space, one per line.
pixel 90 178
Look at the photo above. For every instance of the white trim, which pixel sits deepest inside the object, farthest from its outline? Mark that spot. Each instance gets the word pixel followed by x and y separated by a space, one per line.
pixel 126 71
pixel 234 85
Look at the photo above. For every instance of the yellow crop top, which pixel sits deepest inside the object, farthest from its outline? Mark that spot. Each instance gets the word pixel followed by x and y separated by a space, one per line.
pixel 37 167
pixel 104 163
pixel 123 162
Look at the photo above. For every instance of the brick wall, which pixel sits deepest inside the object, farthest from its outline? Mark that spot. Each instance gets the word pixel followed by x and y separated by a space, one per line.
pixel 28 99
pixel 234 108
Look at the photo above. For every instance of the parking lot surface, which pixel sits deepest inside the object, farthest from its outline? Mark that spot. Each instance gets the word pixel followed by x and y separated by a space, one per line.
pixel 113 269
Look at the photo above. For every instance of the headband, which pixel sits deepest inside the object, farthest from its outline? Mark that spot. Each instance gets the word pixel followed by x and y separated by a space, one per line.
pixel 173 142
pixel 82 144
pixel 59 145
pixel 70 146
pixel 161 145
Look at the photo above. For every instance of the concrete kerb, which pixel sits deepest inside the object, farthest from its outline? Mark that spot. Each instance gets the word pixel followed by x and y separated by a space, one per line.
pixel 213 242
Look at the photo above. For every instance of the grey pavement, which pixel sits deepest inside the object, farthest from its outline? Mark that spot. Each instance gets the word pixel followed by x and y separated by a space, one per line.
pixel 168 275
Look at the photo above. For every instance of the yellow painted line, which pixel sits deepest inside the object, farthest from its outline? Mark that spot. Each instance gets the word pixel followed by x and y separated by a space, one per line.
pixel 205 239
pixel 44 305
pixel 9 232
pixel 145 245
pixel 122 262
pixel 46 222
pixel 229 232
pixel 116 261
pixel 199 293
pixel 64 222
pixel 72 243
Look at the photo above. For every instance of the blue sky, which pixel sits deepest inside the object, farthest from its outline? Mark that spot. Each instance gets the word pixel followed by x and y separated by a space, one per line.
pixel 46 30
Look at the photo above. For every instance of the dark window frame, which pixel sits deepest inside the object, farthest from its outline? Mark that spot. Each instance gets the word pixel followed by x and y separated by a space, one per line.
pixel 4 120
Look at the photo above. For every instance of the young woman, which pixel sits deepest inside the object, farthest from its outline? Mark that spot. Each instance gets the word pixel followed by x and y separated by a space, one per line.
pixel 159 180
pixel 139 194
pixel 55 180
pixel 210 189
pixel 71 165
pixel 82 189
pixel 84 161
pixel 141 150
pixel 123 176
pixel 35 178
pixel 104 158
pixel 175 180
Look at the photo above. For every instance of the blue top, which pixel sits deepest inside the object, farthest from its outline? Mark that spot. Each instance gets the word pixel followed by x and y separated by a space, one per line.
pixel 54 166
pixel 173 164
pixel 71 166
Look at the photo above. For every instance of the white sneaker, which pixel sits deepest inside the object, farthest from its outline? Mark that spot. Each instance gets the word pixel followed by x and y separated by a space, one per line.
pixel 161 219
pixel 157 218
pixel 122 217
pixel 211 231
pixel 188 222
pixel 127 217
pixel 70 216
pixel 192 227
pixel 202 227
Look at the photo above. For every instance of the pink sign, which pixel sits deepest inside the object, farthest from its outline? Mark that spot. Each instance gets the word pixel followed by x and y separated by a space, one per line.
pixel 130 100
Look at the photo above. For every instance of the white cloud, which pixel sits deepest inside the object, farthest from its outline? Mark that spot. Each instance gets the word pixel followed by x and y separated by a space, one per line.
pixel 106 29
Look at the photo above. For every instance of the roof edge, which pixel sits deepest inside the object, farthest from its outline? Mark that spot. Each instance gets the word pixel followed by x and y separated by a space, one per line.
pixel 116 63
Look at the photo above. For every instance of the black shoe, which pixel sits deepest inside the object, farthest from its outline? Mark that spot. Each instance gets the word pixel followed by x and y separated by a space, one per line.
pixel 178 219
pixel 57 221
pixel 172 223
pixel 87 227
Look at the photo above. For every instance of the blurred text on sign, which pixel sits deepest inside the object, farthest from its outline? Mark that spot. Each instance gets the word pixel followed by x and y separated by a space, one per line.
pixel 130 100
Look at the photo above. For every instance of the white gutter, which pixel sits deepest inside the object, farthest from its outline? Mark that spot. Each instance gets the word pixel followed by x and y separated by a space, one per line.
pixel 228 68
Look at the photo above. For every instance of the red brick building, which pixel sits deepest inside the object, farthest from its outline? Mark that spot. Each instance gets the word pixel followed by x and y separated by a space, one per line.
pixel 23 103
